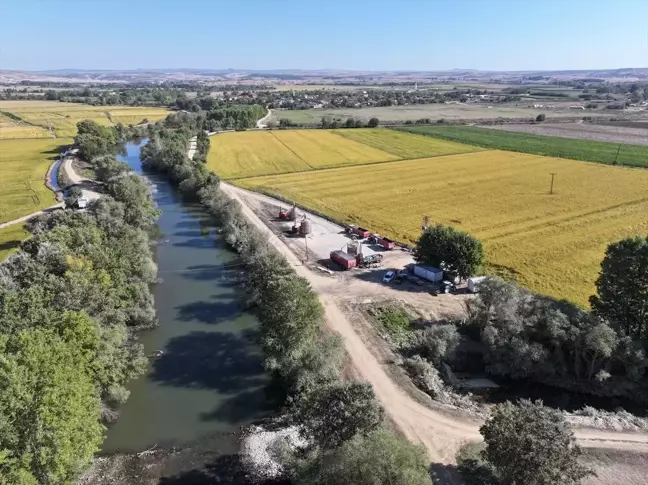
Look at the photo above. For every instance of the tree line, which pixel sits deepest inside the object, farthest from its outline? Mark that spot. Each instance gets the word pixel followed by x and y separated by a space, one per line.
pixel 70 302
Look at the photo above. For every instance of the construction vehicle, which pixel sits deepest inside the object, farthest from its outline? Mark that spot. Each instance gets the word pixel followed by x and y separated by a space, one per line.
pixel 344 260
pixel 370 261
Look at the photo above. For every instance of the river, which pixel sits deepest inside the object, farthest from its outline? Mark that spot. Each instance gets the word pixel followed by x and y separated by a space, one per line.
pixel 209 379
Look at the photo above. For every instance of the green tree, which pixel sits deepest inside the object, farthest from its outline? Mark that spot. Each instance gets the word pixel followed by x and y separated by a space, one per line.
pixel 349 123
pixel 450 249
pixel 622 286
pixel 378 458
pixel 541 117
pixel 530 444
pixel 373 123
pixel 49 409
pixel 334 414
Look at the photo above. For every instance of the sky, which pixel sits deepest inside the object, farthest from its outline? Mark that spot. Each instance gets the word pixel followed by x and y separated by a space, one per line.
pixel 324 34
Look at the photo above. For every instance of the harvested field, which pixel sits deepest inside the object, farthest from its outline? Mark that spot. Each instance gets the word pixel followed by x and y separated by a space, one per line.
pixel 553 146
pixel 551 243
pixel 435 112
pixel 10 239
pixel 583 131
pixel 405 145
pixel 63 117
pixel 255 153
pixel 23 165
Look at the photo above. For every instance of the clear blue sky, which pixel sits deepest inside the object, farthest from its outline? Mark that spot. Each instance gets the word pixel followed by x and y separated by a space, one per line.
pixel 311 34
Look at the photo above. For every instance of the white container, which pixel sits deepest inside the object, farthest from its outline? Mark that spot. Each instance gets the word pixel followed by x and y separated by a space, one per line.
pixel 473 283
pixel 428 273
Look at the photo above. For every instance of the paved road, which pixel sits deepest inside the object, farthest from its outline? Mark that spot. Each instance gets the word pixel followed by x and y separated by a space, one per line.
pixel 439 432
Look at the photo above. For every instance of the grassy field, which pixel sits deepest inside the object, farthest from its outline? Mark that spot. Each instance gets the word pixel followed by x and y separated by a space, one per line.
pixel 551 243
pixel 23 165
pixel 63 117
pixel 254 153
pixel 432 111
pixel 10 239
pixel 408 146
pixel 553 146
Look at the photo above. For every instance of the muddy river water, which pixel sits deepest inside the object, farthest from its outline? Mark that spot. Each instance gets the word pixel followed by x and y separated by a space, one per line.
pixel 205 374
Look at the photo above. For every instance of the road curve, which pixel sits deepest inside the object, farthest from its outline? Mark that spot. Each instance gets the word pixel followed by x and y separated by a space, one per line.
pixel 263 122
pixel 439 432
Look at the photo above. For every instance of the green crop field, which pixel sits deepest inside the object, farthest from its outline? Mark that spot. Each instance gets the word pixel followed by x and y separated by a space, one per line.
pixel 552 146
pixel 254 153
pixel 23 166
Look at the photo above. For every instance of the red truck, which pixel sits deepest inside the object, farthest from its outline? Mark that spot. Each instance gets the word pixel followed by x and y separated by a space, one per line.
pixel 346 260
pixel 385 242
pixel 361 232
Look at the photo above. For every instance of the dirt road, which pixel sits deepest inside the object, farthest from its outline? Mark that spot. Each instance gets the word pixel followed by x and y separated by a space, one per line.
pixel 193 146
pixel 87 185
pixel 263 122
pixel 440 433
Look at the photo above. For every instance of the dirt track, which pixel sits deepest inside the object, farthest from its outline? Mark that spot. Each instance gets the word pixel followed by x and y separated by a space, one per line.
pixel 440 433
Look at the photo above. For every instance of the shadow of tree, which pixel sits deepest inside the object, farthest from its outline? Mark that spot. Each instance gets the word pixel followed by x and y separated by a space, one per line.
pixel 237 409
pixel 211 312
pixel 7 245
pixel 225 362
pixel 445 474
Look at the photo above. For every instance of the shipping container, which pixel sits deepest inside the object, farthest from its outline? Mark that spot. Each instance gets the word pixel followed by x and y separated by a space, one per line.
pixel 429 273
pixel 347 261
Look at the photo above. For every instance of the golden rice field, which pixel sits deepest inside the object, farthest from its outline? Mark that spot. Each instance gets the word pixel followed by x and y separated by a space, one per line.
pixel 11 129
pixel 63 117
pixel 23 166
pixel 254 153
pixel 10 239
pixel 551 243
pixel 404 147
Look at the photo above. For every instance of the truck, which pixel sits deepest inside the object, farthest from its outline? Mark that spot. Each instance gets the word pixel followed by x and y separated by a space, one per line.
pixel 428 273
pixel 370 261
pixel 385 242
pixel 345 260
pixel 361 232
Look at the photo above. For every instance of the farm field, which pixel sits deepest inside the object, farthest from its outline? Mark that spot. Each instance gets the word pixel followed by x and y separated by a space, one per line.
pixel 11 129
pixel 584 131
pixel 23 166
pixel 432 111
pixel 63 117
pixel 553 146
pixel 408 146
pixel 551 243
pixel 10 239
pixel 255 153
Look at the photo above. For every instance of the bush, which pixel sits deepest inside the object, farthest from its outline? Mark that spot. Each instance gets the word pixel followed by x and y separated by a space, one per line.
pixel 437 343
pixel 540 118
pixel 424 375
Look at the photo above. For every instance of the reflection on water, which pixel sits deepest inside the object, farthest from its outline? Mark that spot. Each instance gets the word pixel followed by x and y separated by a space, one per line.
pixel 208 377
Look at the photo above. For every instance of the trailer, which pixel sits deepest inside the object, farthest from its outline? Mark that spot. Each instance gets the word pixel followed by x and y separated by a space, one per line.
pixel 386 243
pixel 429 273
pixel 345 260
pixel 361 232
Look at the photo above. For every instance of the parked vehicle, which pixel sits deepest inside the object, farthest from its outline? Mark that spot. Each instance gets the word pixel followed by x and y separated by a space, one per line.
pixel 344 260
pixel 389 275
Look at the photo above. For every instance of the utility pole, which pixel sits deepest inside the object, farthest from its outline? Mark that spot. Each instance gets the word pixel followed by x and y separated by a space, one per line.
pixel 616 159
pixel 552 183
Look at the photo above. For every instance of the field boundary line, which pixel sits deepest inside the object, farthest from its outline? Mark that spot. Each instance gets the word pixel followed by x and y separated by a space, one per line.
pixel 291 150
pixel 363 164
